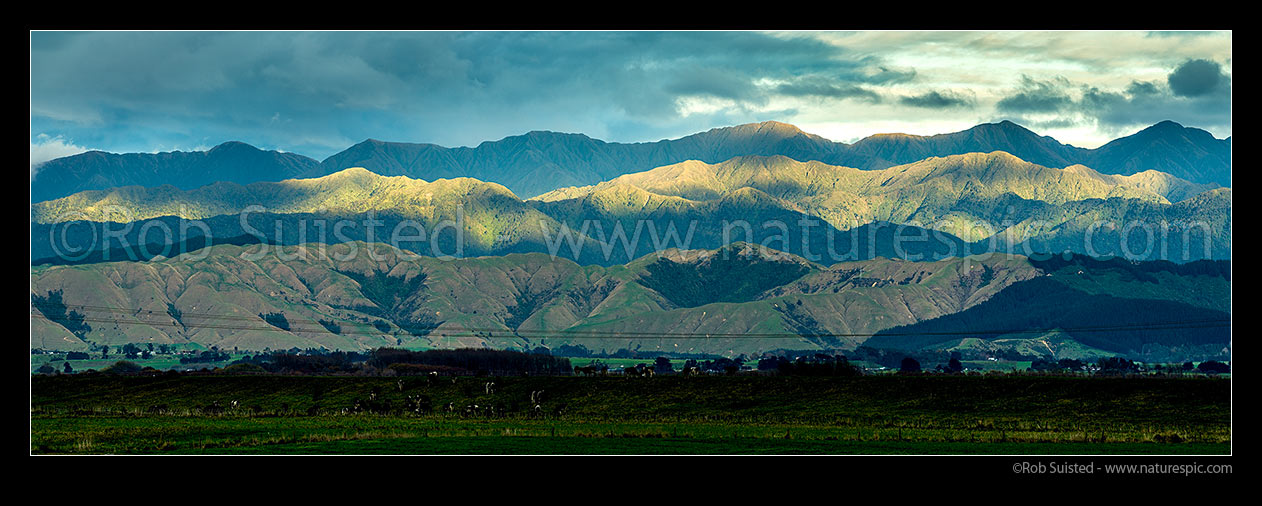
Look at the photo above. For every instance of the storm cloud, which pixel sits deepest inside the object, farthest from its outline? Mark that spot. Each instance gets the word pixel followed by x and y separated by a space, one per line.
pixel 938 100
pixel 321 91
pixel 1189 96
pixel 827 88
pixel 1037 97
pixel 317 93
pixel 1196 78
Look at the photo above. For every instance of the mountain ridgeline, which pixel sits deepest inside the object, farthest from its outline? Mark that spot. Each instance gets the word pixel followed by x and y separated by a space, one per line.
pixel 538 162
pixel 231 161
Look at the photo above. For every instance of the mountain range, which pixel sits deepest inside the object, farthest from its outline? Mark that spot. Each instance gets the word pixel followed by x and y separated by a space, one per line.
pixel 540 161
pixel 741 298
pixel 736 240
pixel 959 204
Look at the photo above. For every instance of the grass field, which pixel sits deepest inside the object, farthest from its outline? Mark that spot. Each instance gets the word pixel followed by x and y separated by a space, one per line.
pixel 159 362
pixel 998 365
pixel 671 415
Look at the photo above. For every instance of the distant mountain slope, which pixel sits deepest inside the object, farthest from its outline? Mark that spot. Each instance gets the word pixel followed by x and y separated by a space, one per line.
pixel 738 273
pixel 1126 325
pixel 493 219
pixel 350 205
pixel 1203 283
pixel 538 162
pixel 709 301
pixel 231 161
pixel 1187 153
pixel 982 198
pixel 1173 188
pixel 981 174
pixel 827 308
pixel 933 185
pixel 922 211
pixel 215 297
pixel 898 149
pixel 1153 311
pixel 346 192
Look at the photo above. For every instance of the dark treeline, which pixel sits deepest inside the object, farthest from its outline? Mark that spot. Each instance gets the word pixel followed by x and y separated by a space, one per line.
pixel 302 362
pixel 894 359
pixel 400 362
pixel 204 357
pixel 1062 365
pixel 1142 271
pixel 472 361
pixel 819 364
pixel 721 364
pixel 890 359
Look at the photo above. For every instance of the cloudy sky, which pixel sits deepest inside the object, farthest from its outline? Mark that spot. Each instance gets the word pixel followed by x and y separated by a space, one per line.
pixel 317 93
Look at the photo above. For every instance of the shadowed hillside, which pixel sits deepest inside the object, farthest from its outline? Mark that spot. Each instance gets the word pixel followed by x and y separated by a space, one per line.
pixel 231 161
pixel 538 162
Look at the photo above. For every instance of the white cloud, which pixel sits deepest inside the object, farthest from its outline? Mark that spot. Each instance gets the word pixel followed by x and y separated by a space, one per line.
pixel 689 105
pixel 46 148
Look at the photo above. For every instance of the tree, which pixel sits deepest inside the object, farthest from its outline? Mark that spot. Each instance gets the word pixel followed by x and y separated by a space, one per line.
pixel 1071 364
pixel 1213 367
pixel 55 310
pixel 45 369
pixel 67 369
pixel 909 365
pixel 1116 365
pixel 277 320
pixel 331 326
pixel 122 367
pixel 105 351
pixel 573 350
pixel 662 364
pixel 954 365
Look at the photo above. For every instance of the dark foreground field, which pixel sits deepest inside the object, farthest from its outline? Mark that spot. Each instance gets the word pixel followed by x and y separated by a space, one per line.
pixel 664 415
